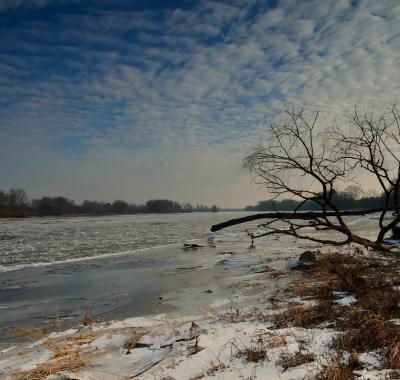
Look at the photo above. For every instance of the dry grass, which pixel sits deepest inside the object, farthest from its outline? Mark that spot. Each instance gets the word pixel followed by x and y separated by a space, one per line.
pixel 255 352
pixel 88 318
pixel 67 356
pixel 29 333
pixel 392 375
pixel 335 370
pixel 42 371
pixel 367 332
pixel 393 355
pixel 215 368
pixel 383 301
pixel 279 273
pixel 288 361
pixel 275 341
pixel 234 315
pixel 305 316
pixel 354 361
pixel 69 352
pixel 132 342
pixel 365 324
pixel 346 273
pixel 368 279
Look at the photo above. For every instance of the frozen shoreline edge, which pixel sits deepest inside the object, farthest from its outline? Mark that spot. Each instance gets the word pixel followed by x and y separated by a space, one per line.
pixel 217 344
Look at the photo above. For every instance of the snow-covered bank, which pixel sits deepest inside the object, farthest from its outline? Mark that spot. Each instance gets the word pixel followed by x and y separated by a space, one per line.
pixel 99 351
pixel 213 344
pixel 189 349
pixel 313 326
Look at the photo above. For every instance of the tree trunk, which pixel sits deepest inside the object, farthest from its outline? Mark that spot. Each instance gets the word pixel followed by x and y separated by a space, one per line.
pixel 307 215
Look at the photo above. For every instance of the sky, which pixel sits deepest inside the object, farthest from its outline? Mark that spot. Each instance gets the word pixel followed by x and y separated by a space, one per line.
pixel 135 100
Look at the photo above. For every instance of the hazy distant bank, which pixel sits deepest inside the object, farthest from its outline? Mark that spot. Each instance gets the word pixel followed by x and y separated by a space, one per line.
pixel 16 204
pixel 32 215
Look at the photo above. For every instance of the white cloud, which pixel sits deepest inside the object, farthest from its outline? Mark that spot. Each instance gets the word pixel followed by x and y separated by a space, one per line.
pixel 178 96
pixel 7 5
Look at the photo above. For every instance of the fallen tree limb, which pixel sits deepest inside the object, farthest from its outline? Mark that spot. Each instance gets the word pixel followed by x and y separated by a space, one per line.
pixel 307 215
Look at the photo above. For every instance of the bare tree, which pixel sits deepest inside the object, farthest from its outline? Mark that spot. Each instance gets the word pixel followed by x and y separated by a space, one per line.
pixel 300 158
pixel 17 199
pixel 354 191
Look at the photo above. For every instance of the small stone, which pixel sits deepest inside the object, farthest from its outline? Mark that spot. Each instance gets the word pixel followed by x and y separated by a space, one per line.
pixel 307 259
pixel 209 291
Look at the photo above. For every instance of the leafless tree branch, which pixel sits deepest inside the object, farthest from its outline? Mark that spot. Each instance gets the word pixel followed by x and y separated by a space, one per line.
pixel 302 160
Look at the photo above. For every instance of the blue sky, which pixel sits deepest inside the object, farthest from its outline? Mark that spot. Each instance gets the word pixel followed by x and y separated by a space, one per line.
pixel 109 99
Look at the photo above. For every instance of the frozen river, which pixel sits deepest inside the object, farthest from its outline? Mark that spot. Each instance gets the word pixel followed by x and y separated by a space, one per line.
pixel 40 241
pixel 120 266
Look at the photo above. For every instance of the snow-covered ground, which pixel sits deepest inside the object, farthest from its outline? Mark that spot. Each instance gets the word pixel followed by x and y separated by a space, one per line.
pixel 231 339
pixel 244 277
pixel 177 349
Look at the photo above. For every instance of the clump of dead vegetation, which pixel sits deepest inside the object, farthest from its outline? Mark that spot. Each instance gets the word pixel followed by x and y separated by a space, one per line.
pixel 212 371
pixel 393 354
pixel 367 332
pixel 304 316
pixel 236 314
pixel 133 341
pixel 70 353
pixel 335 369
pixel 67 352
pixel 253 352
pixel 88 318
pixel 288 361
pixel 364 325
pixel 68 356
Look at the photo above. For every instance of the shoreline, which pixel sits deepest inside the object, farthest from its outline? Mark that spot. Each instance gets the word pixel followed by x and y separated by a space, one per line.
pixel 291 331
pixel 50 216
pixel 125 285
pixel 164 326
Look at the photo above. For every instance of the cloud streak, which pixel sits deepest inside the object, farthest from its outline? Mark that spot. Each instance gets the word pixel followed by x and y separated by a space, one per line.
pixel 13 5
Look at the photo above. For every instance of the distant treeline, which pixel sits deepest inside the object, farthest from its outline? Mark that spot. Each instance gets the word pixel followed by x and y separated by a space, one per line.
pixel 350 198
pixel 16 203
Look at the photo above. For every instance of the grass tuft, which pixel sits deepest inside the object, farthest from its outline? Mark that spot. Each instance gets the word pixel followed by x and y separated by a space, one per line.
pixel 335 370
pixel 393 355
pixel 88 319
pixel 288 361
pixel 372 332
pixel 305 316
pixel 132 342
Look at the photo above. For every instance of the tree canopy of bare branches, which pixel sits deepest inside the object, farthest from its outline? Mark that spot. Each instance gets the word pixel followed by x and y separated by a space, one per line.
pixel 304 159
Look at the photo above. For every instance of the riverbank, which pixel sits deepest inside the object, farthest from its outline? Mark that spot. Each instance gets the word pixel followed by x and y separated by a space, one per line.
pixel 132 284
pixel 335 320
pixel 212 281
pixel 27 214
